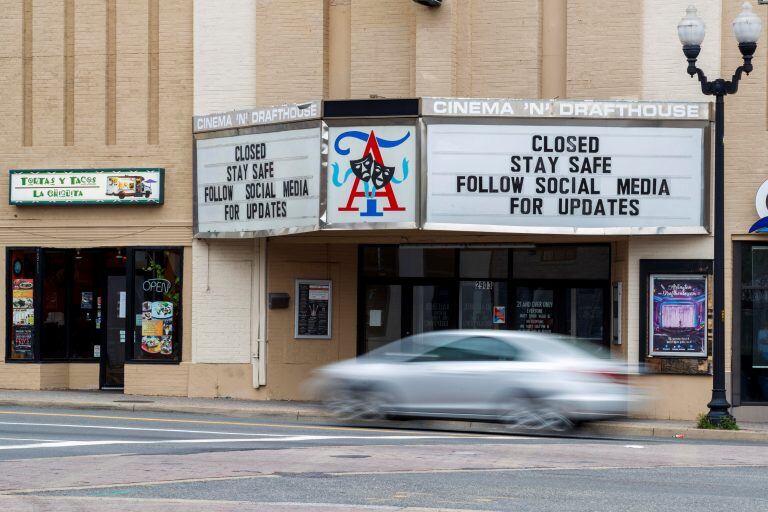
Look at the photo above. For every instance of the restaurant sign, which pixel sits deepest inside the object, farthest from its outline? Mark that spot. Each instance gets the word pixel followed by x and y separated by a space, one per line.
pixel 126 186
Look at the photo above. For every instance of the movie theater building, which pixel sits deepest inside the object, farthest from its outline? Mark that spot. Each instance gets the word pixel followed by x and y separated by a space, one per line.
pixel 357 222
pixel 295 268
pixel 95 195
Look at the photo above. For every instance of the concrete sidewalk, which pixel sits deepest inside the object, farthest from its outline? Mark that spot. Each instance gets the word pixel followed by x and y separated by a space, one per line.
pixel 307 412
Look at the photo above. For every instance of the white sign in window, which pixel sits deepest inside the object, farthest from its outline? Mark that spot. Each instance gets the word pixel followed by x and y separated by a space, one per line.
pixel 565 179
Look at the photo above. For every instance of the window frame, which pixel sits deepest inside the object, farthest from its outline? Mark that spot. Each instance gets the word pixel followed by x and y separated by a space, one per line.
pixel 130 353
pixel 739 247
pixel 36 304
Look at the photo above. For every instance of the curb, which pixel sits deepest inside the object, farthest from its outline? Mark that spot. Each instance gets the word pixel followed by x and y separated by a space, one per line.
pixel 318 416
pixel 296 414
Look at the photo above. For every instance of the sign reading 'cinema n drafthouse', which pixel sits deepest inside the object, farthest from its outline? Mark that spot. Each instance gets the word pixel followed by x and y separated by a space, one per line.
pixel 571 178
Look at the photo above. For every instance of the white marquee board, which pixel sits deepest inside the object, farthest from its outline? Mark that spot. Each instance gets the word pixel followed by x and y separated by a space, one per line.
pixel 258 184
pixel 565 178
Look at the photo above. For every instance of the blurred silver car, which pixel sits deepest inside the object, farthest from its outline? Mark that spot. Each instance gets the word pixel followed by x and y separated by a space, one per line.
pixel 526 380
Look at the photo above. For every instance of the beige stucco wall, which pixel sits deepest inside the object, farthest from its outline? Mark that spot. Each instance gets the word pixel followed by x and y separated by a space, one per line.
pixel 225 55
pixel 290 360
pixel 673 397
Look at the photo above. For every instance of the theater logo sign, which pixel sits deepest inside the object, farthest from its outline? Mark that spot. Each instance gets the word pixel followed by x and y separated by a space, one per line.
pixel 372 176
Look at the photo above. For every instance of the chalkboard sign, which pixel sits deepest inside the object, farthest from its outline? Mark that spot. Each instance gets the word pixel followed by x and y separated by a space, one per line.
pixel 313 309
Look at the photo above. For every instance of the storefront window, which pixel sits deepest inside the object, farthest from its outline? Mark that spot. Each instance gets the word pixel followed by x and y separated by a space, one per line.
pixel 483 305
pixel 483 263
pixel 54 305
pixel 754 323
pixel 417 262
pixel 562 262
pixel 410 289
pixel 21 320
pixel 85 298
pixel 380 261
pixel 157 305
pixel 383 322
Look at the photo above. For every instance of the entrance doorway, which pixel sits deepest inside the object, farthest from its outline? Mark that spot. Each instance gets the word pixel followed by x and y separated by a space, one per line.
pixel 561 289
pixel 84 309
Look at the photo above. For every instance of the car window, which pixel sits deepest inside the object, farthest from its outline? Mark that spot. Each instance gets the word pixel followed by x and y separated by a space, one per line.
pixel 407 349
pixel 474 348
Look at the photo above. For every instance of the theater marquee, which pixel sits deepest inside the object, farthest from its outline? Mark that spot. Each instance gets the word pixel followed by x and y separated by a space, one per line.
pixel 476 165
pixel 565 178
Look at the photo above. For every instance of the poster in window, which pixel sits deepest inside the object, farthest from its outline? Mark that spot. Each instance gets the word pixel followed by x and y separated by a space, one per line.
pixel 534 309
pixel 157 327
pixel 86 300
pixel 22 300
pixel 313 309
pixel 678 315
pixel 22 339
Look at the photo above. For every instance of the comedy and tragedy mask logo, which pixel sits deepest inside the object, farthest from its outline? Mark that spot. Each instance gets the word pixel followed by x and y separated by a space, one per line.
pixel 370 172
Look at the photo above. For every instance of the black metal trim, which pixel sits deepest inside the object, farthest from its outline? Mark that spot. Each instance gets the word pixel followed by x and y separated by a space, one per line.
pixel 400 107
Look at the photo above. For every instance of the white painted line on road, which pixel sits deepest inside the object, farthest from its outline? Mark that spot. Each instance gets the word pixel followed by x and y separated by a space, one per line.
pixel 106 427
pixel 108 442
pixel 29 439
pixel 637 446
pixel 222 422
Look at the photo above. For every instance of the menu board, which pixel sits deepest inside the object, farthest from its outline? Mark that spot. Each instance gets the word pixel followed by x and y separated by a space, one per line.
pixel 313 309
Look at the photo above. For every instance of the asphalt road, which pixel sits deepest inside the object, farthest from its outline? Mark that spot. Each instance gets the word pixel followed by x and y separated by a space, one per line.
pixel 88 460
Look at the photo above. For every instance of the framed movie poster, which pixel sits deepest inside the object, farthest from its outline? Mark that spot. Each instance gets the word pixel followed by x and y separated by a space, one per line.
pixel 678 315
pixel 313 309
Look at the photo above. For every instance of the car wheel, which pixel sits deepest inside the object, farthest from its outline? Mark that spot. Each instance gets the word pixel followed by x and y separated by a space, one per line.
pixel 358 404
pixel 525 413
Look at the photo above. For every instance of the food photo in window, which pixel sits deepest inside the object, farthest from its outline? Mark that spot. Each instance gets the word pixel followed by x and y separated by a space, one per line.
pixel 157 305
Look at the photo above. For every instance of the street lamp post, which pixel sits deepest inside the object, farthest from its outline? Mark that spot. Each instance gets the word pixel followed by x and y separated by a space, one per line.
pixel 746 29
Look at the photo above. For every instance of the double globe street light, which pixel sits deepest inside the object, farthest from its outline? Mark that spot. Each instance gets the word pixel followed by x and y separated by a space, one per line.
pixel 746 29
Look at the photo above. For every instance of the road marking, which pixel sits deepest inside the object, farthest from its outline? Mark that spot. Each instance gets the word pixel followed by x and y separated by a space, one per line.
pixel 108 427
pixel 108 442
pixel 637 446
pixel 221 422
pixel 29 439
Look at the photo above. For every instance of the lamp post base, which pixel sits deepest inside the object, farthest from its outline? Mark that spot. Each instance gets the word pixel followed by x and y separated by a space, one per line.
pixel 718 407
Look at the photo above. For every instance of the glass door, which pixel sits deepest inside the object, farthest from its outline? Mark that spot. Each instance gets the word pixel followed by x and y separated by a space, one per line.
pixel 483 305
pixel 534 309
pixel 433 307
pixel 116 312
pixel 573 308
pixel 383 315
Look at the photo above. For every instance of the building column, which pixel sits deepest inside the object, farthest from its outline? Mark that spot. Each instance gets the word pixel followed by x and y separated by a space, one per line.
pixel 554 45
